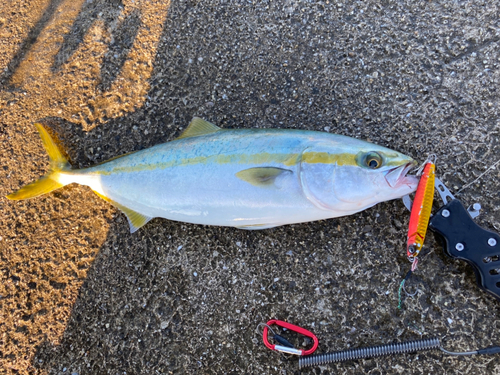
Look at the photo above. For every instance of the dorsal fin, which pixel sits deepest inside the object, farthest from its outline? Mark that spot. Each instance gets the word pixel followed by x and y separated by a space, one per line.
pixel 198 127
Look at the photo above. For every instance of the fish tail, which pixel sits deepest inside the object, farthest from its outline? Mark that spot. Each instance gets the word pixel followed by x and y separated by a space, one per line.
pixel 49 182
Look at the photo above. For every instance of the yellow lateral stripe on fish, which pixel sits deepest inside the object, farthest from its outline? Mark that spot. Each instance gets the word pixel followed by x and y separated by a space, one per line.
pixel 421 212
pixel 265 157
pixel 245 178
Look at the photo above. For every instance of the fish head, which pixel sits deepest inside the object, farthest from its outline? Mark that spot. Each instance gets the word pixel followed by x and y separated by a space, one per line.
pixel 360 177
pixel 378 175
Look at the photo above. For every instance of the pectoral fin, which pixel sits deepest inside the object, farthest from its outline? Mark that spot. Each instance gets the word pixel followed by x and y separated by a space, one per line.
pixel 261 176
pixel 135 219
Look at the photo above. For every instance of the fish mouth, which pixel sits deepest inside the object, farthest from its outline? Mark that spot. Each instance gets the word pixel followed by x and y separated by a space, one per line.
pixel 398 176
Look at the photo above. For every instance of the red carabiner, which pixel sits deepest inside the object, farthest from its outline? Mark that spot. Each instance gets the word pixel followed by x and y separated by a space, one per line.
pixel 294 328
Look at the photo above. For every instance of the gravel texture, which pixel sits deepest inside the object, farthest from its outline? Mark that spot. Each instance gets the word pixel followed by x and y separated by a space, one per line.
pixel 81 295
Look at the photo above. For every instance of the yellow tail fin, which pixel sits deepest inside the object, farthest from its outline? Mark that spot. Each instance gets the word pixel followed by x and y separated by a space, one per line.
pixel 50 181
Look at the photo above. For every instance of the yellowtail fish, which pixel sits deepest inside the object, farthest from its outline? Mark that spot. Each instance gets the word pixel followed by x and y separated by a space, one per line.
pixel 244 178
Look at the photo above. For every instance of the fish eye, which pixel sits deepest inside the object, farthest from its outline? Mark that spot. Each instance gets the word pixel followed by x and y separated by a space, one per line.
pixel 373 160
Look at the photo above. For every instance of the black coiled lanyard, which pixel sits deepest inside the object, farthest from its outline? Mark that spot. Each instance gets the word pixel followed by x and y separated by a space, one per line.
pixel 388 349
pixel 306 360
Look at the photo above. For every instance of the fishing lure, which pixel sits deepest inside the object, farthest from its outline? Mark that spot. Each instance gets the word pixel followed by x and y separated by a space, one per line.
pixel 421 212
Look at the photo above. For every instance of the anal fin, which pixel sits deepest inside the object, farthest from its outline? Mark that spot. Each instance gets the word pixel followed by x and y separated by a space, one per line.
pixel 135 219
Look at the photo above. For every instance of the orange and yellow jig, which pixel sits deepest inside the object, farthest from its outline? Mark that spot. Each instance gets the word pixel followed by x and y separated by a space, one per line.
pixel 421 212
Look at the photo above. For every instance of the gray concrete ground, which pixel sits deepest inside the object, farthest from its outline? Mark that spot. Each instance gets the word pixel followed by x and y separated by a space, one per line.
pixel 79 294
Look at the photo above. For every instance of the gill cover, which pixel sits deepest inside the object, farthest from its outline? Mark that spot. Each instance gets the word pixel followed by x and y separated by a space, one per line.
pixel 350 182
pixel 317 184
